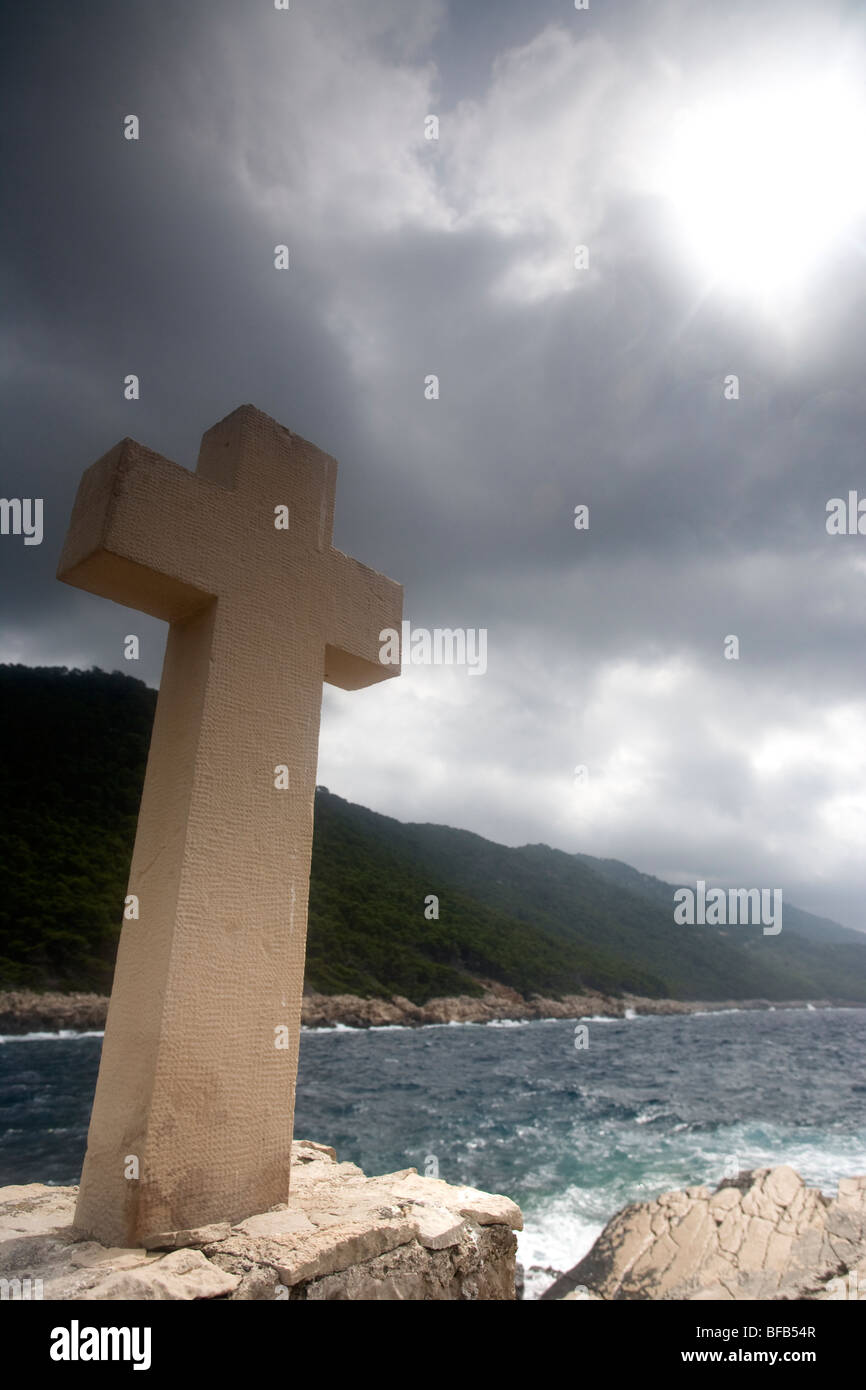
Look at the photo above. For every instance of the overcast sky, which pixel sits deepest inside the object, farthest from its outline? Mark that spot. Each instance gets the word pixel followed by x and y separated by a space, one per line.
pixel 708 156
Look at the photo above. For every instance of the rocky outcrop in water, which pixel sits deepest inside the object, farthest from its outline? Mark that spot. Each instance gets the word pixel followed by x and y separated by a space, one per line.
pixel 762 1235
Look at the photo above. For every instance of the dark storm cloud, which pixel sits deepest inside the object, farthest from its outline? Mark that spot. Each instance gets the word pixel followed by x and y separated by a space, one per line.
pixel 412 257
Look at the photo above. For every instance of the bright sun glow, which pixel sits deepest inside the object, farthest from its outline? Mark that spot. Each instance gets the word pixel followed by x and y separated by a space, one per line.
pixel 767 183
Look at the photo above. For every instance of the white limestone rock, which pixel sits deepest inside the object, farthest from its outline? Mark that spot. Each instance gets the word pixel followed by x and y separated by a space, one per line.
pixel 341 1235
pixel 182 1274
pixel 764 1235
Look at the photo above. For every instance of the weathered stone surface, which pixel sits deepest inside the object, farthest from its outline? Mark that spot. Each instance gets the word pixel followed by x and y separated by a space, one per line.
pixel 340 1245
pixel 763 1235
pixel 37 1240
pixel 90 1255
pixel 260 1282
pixel 305 1151
pixel 179 1240
pixel 488 1209
pixel 274 1223
pixel 182 1274
pixel 34 1207
pixel 479 1267
pixel 437 1228
pixel 342 1235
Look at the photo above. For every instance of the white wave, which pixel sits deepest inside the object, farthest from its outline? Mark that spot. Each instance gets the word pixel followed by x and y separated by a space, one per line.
pixel 332 1028
pixel 555 1236
pixel 453 1023
pixel 711 1013
pixel 64 1035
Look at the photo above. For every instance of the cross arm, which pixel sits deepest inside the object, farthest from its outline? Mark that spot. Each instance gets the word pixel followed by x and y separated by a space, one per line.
pixel 362 603
pixel 139 533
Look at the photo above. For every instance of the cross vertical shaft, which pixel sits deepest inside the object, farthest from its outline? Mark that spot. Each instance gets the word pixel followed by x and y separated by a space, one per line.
pixel 196 1083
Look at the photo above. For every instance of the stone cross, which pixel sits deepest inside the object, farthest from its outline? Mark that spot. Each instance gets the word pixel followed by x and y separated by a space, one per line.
pixel 192 1118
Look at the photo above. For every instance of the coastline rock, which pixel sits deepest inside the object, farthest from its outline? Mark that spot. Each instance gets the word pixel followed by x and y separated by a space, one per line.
pixel 498 1003
pixel 762 1235
pixel 25 1011
pixel 342 1235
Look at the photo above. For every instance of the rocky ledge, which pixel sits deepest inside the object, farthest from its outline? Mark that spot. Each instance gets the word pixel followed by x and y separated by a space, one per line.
pixel 25 1011
pixel 762 1235
pixel 341 1236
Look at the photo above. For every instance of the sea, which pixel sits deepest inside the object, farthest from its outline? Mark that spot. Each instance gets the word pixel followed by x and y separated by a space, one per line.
pixel 573 1119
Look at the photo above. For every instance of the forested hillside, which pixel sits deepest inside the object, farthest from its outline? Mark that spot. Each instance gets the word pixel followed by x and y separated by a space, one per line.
pixel 74 747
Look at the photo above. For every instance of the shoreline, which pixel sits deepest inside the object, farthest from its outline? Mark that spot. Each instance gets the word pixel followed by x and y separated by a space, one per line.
pixel 27 1011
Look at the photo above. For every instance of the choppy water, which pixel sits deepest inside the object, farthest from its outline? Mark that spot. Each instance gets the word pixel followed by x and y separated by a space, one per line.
pixel 651 1103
